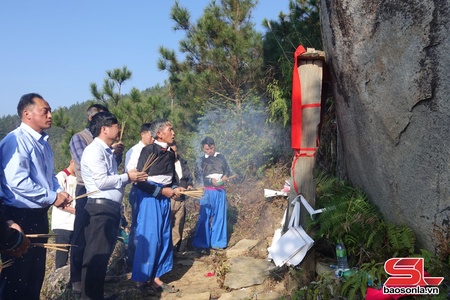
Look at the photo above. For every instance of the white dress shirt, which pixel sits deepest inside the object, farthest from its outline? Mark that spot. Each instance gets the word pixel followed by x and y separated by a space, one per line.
pixel 99 172
pixel 132 156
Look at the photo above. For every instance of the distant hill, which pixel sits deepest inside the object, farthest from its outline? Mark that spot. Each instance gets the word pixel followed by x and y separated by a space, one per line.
pixel 58 138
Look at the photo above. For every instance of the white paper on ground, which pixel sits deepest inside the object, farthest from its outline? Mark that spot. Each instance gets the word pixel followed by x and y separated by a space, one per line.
pixel 293 245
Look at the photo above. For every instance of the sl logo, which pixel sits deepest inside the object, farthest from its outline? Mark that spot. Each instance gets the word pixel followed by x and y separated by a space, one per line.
pixel 408 272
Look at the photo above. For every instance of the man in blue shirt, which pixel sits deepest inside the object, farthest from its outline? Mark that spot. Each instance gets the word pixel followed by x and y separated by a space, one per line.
pixel 30 187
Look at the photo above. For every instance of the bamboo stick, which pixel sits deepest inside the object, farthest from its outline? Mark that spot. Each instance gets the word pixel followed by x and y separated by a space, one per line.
pixel 59 247
pixel 121 130
pixel 56 248
pixel 194 193
pixel 6 264
pixel 85 195
pixel 40 235
pixel 151 159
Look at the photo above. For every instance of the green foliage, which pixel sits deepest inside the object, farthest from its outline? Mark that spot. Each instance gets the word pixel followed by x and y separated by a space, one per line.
pixel 301 26
pixel 245 138
pixel 136 110
pixel 369 240
pixel 278 108
pixel 8 123
pixel 223 56
pixel 112 85
pixel 437 266
pixel 358 223
pixel 401 240
pixel 324 287
pixel 60 118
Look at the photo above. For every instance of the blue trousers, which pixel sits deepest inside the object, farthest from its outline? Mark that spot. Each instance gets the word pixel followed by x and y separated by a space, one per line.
pixel 154 250
pixel 211 229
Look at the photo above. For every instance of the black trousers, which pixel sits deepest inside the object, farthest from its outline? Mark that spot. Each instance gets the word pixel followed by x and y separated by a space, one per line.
pixel 63 237
pixel 78 239
pixel 23 280
pixel 101 236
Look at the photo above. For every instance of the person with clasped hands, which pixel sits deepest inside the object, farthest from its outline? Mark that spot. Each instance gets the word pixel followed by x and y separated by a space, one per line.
pixel 30 188
pixel 103 207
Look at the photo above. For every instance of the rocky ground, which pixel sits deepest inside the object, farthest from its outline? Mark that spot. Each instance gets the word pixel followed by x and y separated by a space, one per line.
pixel 239 272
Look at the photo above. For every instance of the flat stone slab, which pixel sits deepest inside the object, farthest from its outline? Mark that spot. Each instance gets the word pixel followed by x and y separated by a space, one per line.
pixel 247 271
pixel 201 296
pixel 269 296
pixel 237 295
pixel 241 248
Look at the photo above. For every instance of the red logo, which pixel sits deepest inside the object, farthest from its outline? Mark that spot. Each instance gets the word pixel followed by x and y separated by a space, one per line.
pixel 408 272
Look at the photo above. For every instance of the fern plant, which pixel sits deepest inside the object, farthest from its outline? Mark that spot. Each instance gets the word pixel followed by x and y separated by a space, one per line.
pixel 401 240
pixel 349 217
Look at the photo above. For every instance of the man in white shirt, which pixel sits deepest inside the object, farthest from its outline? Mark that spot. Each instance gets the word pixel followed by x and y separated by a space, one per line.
pixel 103 207
pixel 131 161
pixel 132 155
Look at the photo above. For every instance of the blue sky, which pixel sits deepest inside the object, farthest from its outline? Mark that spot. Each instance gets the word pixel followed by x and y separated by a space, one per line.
pixel 57 48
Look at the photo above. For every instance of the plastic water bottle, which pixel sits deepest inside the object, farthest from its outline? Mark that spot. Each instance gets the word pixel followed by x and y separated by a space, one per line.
pixel 342 263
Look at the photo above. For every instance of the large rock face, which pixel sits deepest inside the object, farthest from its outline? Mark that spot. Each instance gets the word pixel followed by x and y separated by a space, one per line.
pixel 390 62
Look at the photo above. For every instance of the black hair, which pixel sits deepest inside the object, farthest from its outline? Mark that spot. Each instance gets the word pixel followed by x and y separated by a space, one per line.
pixel 207 141
pixel 26 101
pixel 104 118
pixel 145 127
pixel 95 108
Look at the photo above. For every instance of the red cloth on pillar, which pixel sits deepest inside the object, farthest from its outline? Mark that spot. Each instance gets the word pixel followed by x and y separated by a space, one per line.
pixel 296 118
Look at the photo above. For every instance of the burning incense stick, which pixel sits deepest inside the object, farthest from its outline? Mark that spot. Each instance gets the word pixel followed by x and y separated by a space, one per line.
pixel 40 235
pixel 6 264
pixel 121 130
pixel 87 194
pixel 231 177
pixel 194 193
pixel 151 159
pixel 58 247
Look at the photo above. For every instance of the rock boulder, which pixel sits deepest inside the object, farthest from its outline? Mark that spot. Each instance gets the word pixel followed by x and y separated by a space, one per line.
pixel 390 65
